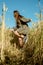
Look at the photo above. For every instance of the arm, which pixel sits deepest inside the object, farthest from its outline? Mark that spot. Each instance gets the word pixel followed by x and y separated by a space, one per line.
pixel 17 34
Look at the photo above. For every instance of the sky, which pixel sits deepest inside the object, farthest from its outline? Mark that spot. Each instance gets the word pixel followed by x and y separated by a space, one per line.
pixel 26 8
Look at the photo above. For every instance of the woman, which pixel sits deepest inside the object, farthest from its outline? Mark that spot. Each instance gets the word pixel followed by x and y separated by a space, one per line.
pixel 22 27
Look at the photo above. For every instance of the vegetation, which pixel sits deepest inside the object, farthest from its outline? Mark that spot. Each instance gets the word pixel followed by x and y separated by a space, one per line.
pixel 30 54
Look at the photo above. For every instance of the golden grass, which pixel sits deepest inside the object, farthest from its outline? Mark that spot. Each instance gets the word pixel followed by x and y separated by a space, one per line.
pixel 30 54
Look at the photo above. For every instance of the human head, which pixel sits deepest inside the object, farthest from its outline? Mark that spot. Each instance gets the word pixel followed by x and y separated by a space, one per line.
pixel 16 14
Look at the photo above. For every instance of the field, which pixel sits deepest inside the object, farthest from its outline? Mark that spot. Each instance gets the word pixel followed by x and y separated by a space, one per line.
pixel 30 54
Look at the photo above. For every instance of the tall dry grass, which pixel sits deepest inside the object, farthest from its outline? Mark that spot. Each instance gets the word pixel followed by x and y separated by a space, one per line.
pixel 30 54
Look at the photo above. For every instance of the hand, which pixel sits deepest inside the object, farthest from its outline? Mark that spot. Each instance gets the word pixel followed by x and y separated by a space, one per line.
pixel 22 36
